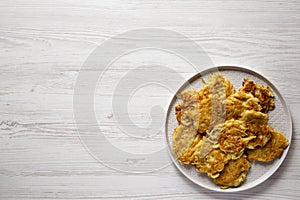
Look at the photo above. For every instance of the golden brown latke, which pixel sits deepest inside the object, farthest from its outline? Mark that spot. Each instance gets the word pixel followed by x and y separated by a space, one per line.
pixel 217 124
pixel 234 173
pixel 182 139
pixel 240 102
pixel 211 112
pixel 234 138
pixel 250 97
pixel 271 150
pixel 210 161
pixel 219 88
pixel 263 93
pixel 257 125
pixel 190 155
pixel 262 136
pixel 252 117
pixel 189 108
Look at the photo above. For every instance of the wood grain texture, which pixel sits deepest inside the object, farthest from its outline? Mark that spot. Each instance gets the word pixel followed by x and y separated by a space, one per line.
pixel 43 45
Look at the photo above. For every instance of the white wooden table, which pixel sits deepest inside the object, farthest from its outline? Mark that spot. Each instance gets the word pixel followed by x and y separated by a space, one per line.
pixel 43 45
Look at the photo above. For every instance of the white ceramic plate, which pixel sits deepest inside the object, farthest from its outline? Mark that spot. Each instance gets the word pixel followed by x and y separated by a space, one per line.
pixel 280 119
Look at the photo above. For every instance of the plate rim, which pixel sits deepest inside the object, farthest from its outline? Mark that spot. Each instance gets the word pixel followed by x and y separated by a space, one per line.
pixel 241 69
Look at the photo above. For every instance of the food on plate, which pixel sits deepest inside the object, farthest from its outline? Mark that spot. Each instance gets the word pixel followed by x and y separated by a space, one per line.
pixel 212 113
pixel 263 93
pixel 183 138
pixel 212 163
pixel 234 173
pixel 189 109
pixel 271 150
pixel 257 124
pixel 221 129
pixel 234 138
